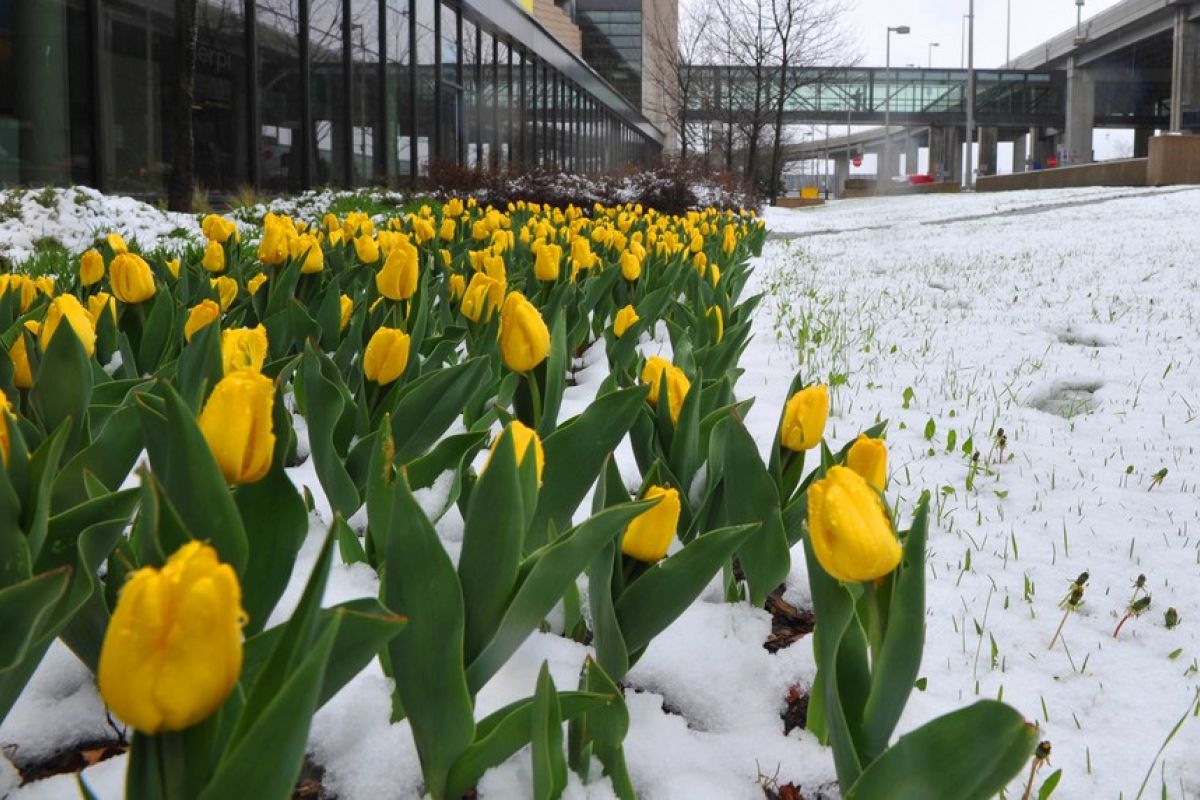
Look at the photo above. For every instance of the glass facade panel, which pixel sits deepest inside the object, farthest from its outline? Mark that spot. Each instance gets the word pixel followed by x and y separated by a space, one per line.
pixel 612 44
pixel 281 129
pixel 399 97
pixel 220 112
pixel 450 106
pixel 328 136
pixel 46 116
pixel 139 57
pixel 427 80
pixel 364 95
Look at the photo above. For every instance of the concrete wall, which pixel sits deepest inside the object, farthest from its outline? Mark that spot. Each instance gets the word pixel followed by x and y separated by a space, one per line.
pixel 1174 160
pixel 1126 172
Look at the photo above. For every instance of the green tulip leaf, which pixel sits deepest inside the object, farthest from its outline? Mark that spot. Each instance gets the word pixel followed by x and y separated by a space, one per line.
pixel 546 745
pixel 430 404
pixel 950 758
pixel 751 497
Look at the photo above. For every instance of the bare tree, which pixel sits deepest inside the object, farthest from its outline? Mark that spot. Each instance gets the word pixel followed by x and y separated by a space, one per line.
pixel 807 36
pixel 675 85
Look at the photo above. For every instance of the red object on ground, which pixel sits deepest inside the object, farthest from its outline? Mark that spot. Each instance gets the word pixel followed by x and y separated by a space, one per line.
pixel 856 161
pixel 1052 162
pixel 914 180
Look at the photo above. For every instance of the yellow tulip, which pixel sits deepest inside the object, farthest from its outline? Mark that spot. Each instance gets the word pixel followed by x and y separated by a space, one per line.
pixel 386 356
pixel 456 286
pixel 524 337
pixel 131 278
pixel 581 253
pixel 367 249
pixel 804 418
pixel 330 221
pixel 547 261
pixel 22 372
pixel 173 268
pixel 716 321
pixel 236 423
pixel 96 305
pixel 850 533
pixel 45 285
pixel 868 457
pixel 243 348
pixel 448 230
pixel 68 307
pixel 255 283
pixel 482 297
pixel 625 319
pixel 218 229
pixel 227 290
pixel 453 208
pixel 649 535
pixel 308 247
pixel 657 370
pixel 423 231
pixel 523 437
pixel 203 313
pixel 172 651
pixel 91 267
pixel 116 243
pixel 21 287
pixel 273 247
pixel 347 310
pixel 631 267
pixel 214 257
pixel 398 278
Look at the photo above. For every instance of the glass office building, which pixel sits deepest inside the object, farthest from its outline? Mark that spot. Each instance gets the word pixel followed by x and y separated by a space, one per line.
pixel 296 93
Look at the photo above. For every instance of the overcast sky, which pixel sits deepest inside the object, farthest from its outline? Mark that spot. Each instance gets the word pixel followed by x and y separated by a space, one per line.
pixel 1033 21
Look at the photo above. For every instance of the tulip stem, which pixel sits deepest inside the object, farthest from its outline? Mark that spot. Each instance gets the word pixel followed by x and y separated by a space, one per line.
pixel 874 620
pixel 535 397
pixel 174 765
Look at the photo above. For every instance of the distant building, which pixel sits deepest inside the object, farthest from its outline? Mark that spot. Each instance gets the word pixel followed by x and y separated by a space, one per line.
pixel 296 93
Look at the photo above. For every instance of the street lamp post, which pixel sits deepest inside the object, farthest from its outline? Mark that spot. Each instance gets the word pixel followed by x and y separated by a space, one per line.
pixel 931 46
pixel 962 46
pixel 887 106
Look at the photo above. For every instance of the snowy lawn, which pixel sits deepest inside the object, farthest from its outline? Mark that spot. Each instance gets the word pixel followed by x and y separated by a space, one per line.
pixel 1067 319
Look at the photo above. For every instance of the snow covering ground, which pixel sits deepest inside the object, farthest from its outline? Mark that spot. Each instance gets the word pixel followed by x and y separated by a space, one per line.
pixel 1066 318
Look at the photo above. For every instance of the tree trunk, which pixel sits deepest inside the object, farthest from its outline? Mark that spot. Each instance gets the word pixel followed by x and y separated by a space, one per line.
pixel 776 156
pixel 180 185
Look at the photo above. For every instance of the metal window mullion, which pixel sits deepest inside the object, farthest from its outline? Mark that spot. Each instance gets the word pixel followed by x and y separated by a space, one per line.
pixel 382 145
pixel 250 15
pixel 97 60
pixel 413 137
pixel 348 95
pixel 308 135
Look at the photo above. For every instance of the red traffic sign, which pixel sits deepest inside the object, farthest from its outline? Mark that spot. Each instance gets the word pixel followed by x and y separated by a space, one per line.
pixel 856 161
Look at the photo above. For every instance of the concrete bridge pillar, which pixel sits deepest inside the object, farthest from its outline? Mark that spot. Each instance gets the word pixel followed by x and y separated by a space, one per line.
pixel 1185 71
pixel 912 154
pixel 1043 146
pixel 945 153
pixel 841 171
pixel 989 139
pixel 1081 114
pixel 1018 157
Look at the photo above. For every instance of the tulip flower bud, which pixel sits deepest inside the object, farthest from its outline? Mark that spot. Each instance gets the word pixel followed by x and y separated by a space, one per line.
pixel 116 243
pixel 658 369
pixel 237 424
pixel 22 371
pixel 398 278
pixel 448 229
pixel 203 313
pixel 523 437
pixel 273 248
pixel 20 286
pixel 367 249
pixel 243 348
pixel 625 319
pixel 91 268
pixel 255 283
pixel 524 337
pixel 868 457
pixel 5 410
pixel 218 229
pixel 172 652
pixel 457 286
pixel 227 290
pixel 716 321
pixel 482 297
pixel 214 257
pixel 649 535
pixel 849 529
pixel 131 278
pixel 173 268
pixel 346 305
pixel 386 356
pixel 631 266
pixel 546 262
pixel 68 307
pixel 96 305
pixel 804 418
